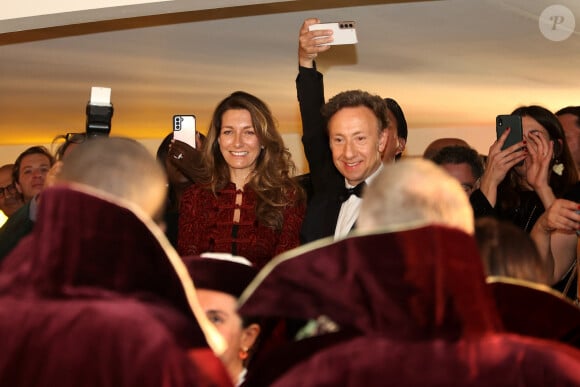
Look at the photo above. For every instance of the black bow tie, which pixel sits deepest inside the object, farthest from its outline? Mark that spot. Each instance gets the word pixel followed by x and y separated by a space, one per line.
pixel 345 194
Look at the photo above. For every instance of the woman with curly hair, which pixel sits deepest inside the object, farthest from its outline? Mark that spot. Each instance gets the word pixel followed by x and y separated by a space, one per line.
pixel 245 201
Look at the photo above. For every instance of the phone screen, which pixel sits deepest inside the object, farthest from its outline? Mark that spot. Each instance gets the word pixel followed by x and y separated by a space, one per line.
pixel 514 122
pixel 184 129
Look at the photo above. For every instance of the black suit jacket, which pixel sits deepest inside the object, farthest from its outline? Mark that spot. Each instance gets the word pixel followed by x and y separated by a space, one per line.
pixel 324 205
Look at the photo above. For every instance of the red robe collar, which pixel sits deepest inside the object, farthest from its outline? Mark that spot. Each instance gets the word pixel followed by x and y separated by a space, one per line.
pixel 417 284
pixel 86 243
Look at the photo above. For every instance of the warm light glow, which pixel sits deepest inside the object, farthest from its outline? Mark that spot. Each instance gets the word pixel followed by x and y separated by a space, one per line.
pixel 3 218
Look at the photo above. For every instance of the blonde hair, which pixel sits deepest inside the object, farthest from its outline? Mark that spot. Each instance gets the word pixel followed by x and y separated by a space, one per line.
pixel 413 193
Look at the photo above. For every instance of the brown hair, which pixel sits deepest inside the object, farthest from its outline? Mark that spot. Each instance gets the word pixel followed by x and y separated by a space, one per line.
pixel 272 177
pixel 506 250
pixel 34 150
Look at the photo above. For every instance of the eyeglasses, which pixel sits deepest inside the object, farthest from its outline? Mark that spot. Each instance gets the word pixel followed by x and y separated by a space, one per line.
pixel 10 188
pixel 76 138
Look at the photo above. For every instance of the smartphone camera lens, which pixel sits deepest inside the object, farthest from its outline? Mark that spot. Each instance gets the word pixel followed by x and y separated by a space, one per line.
pixel 499 122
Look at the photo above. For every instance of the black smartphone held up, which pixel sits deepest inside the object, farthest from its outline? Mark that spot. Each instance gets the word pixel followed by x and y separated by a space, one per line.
pixel 514 122
pixel 184 129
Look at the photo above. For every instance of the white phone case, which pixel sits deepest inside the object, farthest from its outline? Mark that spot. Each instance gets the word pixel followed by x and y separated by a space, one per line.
pixel 184 129
pixel 344 32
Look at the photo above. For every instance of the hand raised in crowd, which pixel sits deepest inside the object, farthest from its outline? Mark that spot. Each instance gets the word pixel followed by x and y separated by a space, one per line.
pixel 311 43
pixel 555 236
pixel 561 216
pixel 499 162
pixel 187 160
pixel 540 150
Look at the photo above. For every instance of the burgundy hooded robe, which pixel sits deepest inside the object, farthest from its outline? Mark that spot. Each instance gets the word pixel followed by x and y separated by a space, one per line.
pixel 413 310
pixel 90 298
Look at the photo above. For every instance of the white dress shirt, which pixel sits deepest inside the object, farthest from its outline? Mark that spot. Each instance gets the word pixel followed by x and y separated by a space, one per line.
pixel 350 209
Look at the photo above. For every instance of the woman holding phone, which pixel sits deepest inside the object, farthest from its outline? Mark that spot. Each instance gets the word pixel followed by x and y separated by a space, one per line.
pixel 524 179
pixel 245 201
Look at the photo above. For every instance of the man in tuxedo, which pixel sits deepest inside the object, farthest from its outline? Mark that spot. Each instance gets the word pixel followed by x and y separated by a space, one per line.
pixel 359 134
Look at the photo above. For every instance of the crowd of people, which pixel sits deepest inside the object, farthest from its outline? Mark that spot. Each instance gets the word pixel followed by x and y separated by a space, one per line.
pixel 218 266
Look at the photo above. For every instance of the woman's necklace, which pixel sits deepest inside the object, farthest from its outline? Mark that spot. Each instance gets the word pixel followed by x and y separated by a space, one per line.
pixel 530 218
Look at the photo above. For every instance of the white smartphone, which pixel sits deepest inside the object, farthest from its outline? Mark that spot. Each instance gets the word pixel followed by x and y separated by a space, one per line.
pixel 344 32
pixel 184 129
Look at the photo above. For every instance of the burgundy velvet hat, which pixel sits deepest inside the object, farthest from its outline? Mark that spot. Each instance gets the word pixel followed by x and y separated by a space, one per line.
pixel 220 271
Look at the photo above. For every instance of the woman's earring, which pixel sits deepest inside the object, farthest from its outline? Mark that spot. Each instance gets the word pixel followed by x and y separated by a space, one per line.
pixel 243 353
pixel 558 167
pixel 261 146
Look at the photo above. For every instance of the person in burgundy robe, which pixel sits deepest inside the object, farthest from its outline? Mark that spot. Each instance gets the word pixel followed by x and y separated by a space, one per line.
pixel 95 295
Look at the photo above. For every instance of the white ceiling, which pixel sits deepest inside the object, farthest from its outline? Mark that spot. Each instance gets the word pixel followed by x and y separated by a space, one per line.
pixel 450 64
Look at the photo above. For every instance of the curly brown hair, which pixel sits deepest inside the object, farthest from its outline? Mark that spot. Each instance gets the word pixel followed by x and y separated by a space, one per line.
pixel 271 179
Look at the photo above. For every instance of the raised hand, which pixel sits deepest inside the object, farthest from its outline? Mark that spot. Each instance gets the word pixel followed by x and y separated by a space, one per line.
pixel 541 151
pixel 562 215
pixel 309 43
pixel 185 159
pixel 499 162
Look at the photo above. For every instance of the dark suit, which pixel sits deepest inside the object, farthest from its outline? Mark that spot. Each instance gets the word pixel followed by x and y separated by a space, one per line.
pixel 324 205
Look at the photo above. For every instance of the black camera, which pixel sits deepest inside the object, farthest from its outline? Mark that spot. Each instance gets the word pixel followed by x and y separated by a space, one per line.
pixel 99 113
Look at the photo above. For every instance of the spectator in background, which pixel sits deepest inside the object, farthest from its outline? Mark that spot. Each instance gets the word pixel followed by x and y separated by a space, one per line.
pixel 397 119
pixel 463 163
pixel 245 201
pixel 30 170
pixel 219 280
pixel 436 145
pixel 10 199
pixel 523 180
pixel 29 174
pixel 570 119
pixel 95 294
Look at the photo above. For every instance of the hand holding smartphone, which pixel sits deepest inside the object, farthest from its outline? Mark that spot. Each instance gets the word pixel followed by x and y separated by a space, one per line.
pixel 343 32
pixel 514 122
pixel 184 129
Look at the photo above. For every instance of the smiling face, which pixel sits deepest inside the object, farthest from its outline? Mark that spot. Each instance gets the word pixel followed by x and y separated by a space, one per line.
pixel 32 176
pixel 239 143
pixel 355 143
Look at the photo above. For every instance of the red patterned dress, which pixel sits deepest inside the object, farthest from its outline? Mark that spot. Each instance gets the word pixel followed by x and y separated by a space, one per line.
pixel 206 225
